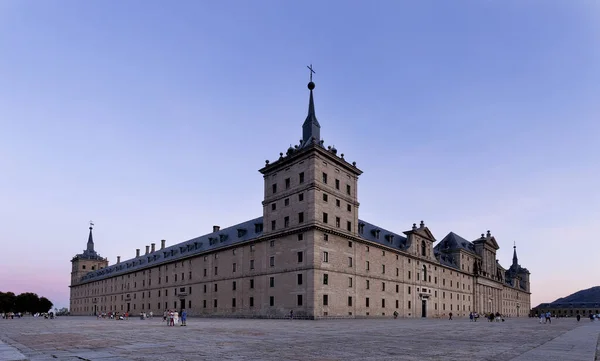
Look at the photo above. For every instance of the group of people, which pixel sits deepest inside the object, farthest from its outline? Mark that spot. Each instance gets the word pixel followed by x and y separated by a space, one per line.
pixel 171 317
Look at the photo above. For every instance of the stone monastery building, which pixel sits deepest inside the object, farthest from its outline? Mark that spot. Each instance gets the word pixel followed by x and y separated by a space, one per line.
pixel 309 252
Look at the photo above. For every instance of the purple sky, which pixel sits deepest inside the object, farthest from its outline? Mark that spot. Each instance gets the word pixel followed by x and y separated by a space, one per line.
pixel 152 118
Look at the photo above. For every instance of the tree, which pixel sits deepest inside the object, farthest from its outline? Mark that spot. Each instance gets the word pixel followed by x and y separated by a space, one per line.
pixel 27 302
pixel 7 302
pixel 44 305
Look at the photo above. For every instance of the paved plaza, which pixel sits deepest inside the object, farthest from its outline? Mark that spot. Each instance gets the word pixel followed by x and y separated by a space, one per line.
pixel 88 338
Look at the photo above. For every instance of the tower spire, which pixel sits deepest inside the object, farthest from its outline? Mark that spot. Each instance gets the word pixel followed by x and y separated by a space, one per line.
pixel 311 127
pixel 515 259
pixel 90 242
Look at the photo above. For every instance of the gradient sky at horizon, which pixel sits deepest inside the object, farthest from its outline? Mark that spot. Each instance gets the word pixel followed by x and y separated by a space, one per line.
pixel 152 118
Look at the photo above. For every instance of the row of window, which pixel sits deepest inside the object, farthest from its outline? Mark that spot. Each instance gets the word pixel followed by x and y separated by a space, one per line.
pixel 288 183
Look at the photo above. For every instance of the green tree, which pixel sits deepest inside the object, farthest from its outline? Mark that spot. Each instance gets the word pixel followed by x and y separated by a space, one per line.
pixel 44 305
pixel 7 302
pixel 27 302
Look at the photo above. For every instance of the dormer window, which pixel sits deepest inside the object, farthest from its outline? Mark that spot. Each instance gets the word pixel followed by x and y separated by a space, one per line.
pixel 241 232
pixel 389 238
pixel 361 228
pixel 222 237
pixel 212 240
pixel 258 227
pixel 375 232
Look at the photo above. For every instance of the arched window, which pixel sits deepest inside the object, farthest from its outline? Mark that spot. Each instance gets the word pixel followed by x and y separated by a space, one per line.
pixel 423 249
pixel 424 273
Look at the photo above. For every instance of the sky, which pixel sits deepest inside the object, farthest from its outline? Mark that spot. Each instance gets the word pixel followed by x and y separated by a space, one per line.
pixel 152 118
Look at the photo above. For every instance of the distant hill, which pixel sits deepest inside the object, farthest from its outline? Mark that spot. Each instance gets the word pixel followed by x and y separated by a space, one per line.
pixel 589 295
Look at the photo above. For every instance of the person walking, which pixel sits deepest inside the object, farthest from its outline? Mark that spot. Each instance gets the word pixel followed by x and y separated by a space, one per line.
pixel 183 317
pixel 450 314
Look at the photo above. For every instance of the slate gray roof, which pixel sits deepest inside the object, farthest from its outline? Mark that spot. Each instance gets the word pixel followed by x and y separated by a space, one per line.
pixel 452 242
pixel 238 233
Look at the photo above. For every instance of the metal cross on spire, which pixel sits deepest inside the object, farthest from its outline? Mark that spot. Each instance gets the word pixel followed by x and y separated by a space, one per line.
pixel 311 71
pixel 91 224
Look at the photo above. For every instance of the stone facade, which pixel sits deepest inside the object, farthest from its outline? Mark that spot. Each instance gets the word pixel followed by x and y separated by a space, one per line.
pixel 309 253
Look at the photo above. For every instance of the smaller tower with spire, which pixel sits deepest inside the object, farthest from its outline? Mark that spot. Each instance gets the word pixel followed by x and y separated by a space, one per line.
pixel 311 129
pixel 87 261
pixel 515 259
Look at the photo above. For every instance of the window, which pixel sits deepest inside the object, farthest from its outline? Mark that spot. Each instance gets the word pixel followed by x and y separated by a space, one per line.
pixel 286 221
pixel 423 249
pixel 271 281
pixel 324 217
pixel 367 302
pixel 325 300
pixel 286 202
pixel 383 286
pixel 350 244
pixel 382 268
pixel 251 264
pixel 204 290
pixel 368 265
pixel 348 189
pixel 349 300
pixel 299 278
pixel 408 274
pixel 233 302
pixel 251 248
pixel 301 177
pixel 287 183
pixel 274 188
pixel 216 271
pixel 368 284
pixel 234 267
pixel 409 305
pixel 325 279
pixel 273 206
pixel 214 285
pixel 271 301
pixel 324 177
pixel 251 301
pixel 349 281
pixel 300 236
pixel 325 256
pixel 252 283
pixel 409 290
pixel 272 243
pixel 272 261
pixel 300 197
pixel 349 208
pixel 383 303
pixel 234 285
pixel 325 237
pixel 273 224
pixel 337 184
pixel 397 272
pixel 337 222
pixel 324 197
pixel 337 202
pixel 299 300
pixel 425 273
pixel 301 217
pixel 397 288
pixel 299 255
pixel 349 261
pixel 214 304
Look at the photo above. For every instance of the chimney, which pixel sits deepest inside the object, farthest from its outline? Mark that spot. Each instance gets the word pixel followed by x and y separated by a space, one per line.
pixel 152 245
pixel 216 228
pixel 162 244
pixel 137 252
pixel 118 259
pixel 147 249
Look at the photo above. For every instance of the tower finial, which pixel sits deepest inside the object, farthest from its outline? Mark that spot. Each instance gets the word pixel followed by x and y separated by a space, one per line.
pixel 515 259
pixel 90 242
pixel 311 127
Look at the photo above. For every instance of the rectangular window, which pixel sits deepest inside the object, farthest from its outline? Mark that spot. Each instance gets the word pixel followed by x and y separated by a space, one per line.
pixel 409 304
pixel 324 177
pixel 325 279
pixel 325 237
pixel 337 184
pixel 286 202
pixel 234 284
pixel 203 304
pixel 252 283
pixel 273 225
pixel 350 244
pixel 299 255
pixel 299 300
pixel 337 202
pixel 204 289
pixel 368 284
pixel 368 265
pixel 325 300
pixel 382 268
pixel 251 301
pixel 271 281
pixel 349 208
pixel 349 281
pixel 300 197
pixel 383 286
pixel 286 221
pixel 273 206
pixel 349 300
pixel 234 267
pixel 251 264
pixel 324 197
pixel 215 288
pixel 337 222
pixel 300 236
pixel 349 226
pixel 214 304
pixel 301 177
pixel 272 261
pixel 271 301
pixel 367 302
pixel 301 217
pixel 274 188
pixel 349 261
pixel 272 243
pixel 299 276
pixel 233 302
pixel 348 189
pixel 325 256
pixel 287 183
pixel 383 303
pixel 324 217
pixel 409 290
pixel 408 274
pixel 397 288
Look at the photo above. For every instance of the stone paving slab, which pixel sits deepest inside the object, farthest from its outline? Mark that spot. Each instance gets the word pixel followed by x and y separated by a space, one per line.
pixel 88 338
pixel 10 353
